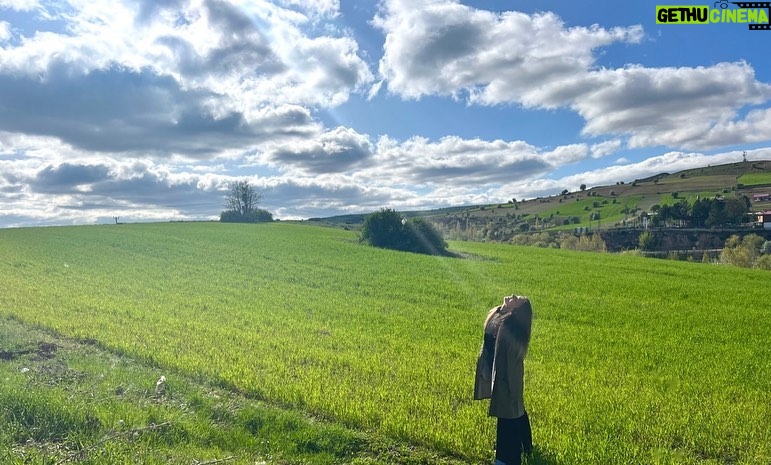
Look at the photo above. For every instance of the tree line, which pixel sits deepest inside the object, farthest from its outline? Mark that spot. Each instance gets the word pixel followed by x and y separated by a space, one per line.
pixel 703 213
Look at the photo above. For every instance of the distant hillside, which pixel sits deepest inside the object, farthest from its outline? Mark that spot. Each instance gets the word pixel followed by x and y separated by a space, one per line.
pixel 604 206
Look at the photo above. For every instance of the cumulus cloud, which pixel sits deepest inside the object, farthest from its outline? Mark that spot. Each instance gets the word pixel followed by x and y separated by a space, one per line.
pixel 112 182
pixel 566 154
pixel 677 161
pixel 20 5
pixel 329 195
pixel 87 190
pixel 334 151
pixel 119 110
pixel 623 170
pixel 754 127
pixel 444 47
pixel 176 77
pixel 418 160
pixel 68 177
pixel 469 161
pixel 336 171
pixel 147 109
pixel 603 149
pixel 677 107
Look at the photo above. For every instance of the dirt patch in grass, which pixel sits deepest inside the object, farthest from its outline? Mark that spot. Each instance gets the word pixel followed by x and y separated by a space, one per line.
pixel 42 351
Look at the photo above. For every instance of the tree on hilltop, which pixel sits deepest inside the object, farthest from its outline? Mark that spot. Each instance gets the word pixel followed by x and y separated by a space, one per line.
pixel 241 202
pixel 242 197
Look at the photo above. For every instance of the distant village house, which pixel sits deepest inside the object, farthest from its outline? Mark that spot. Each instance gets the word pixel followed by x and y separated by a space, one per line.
pixel 764 218
pixel 761 197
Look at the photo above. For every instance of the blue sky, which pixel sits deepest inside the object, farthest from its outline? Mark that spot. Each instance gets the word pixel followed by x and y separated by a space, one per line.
pixel 148 109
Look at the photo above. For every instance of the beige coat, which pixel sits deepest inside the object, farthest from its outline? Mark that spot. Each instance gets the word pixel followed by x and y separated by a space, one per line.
pixel 500 375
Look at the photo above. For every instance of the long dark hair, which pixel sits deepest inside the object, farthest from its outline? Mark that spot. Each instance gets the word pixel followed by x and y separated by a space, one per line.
pixel 516 326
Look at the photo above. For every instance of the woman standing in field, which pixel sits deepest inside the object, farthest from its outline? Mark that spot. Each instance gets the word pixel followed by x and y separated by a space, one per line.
pixel 500 376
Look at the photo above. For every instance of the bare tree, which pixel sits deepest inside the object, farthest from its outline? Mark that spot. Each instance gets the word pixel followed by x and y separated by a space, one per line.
pixel 242 197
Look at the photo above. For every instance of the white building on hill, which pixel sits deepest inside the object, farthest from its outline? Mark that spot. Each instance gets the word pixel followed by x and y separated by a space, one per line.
pixel 764 218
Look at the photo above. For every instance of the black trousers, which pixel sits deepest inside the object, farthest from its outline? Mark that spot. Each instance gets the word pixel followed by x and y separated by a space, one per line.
pixel 513 437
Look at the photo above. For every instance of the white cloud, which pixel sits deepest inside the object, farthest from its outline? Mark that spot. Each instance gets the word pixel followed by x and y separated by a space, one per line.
pixel 416 160
pixel 374 90
pixel 316 8
pixel 447 48
pixel 323 71
pixel 148 108
pixel 754 127
pixel 454 159
pixel 20 5
pixel 179 77
pixel 84 189
pixel 5 31
pixel 677 107
pixel 337 171
pixel 566 154
pixel 603 149
pixel 335 151
pixel 669 162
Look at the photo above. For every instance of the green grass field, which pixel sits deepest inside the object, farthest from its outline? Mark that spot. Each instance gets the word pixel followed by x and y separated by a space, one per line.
pixel 610 213
pixel 755 179
pixel 632 360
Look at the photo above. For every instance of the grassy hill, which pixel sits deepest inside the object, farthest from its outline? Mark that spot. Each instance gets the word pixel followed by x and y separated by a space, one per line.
pixel 612 202
pixel 632 360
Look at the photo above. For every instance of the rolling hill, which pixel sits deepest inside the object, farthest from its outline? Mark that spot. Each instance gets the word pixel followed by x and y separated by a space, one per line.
pixel 614 205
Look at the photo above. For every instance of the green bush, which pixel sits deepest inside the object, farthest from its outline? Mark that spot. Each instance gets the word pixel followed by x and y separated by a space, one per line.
pixel 255 216
pixel 645 241
pixel 763 263
pixel 743 252
pixel 424 237
pixel 542 239
pixel 383 229
pixel 585 243
pixel 387 229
